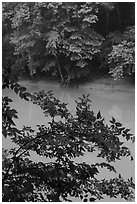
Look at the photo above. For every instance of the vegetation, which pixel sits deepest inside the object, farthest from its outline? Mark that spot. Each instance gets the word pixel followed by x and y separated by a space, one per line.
pixel 121 57
pixel 65 138
pixel 65 40
pixel 68 39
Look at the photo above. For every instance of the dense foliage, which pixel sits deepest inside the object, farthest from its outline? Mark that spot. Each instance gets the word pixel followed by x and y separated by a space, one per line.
pixel 68 39
pixel 64 139
pixel 121 56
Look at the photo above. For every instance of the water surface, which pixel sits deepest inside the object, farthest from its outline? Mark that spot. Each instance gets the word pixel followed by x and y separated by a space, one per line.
pixel 113 99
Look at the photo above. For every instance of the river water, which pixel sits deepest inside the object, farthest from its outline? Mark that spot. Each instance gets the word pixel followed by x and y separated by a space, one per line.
pixel 111 98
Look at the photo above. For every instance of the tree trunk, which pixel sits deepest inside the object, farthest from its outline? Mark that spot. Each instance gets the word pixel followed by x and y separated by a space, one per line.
pixel 60 72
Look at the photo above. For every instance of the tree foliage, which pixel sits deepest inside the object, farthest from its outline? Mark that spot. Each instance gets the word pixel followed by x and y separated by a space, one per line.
pixel 121 60
pixel 64 38
pixel 65 138
pixel 120 56
pixel 43 33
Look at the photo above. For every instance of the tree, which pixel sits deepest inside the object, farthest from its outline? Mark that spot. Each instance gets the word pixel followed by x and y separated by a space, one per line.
pixel 121 59
pixel 54 43
pixel 63 39
pixel 119 56
pixel 65 138
pixel 8 58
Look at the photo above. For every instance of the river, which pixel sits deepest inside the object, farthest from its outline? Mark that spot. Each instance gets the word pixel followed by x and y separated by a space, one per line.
pixel 113 98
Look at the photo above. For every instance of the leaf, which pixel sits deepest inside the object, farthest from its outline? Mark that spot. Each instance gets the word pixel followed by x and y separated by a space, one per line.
pixel 9 100
pixel 81 196
pixel 98 115
pixel 132 158
pixel 85 200
pixel 86 195
pixel 21 95
pixel 12 112
pixel 92 199
pixel 22 89
pixel 16 90
pixel 27 95
pixel 113 120
pixel 126 131
pixel 133 139
pixel 118 124
pixel 108 166
pixel 15 116
pixel 125 148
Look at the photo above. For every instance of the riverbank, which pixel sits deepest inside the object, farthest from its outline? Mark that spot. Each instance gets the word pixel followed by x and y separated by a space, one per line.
pixel 96 78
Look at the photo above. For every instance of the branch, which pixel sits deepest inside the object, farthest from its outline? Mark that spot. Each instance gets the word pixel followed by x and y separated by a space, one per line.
pixel 14 157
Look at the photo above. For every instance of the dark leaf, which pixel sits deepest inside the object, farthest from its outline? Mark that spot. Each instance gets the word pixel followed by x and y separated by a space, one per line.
pixel 22 89
pixel 113 120
pixel 92 199
pixel 118 124
pixel 98 115
pixel 85 200
pixel 16 90
pixel 132 158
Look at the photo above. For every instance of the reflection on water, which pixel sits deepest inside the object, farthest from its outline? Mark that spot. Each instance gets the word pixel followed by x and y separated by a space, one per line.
pixel 113 101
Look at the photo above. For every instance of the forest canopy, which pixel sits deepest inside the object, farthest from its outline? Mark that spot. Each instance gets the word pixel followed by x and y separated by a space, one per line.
pixel 69 40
